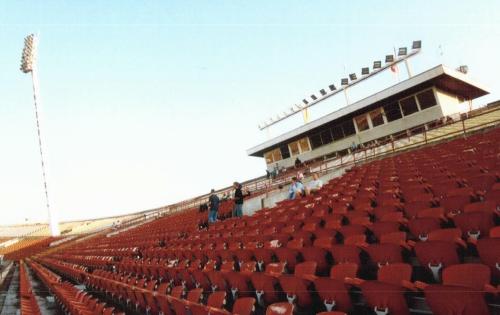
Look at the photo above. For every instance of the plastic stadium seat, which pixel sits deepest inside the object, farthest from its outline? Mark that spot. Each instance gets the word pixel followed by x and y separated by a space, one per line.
pixel 280 309
pixel 436 255
pixel 239 282
pixel 383 254
pixel 319 255
pixel 180 306
pixel 486 206
pixel 296 286
pixel 451 300
pixel 420 228
pixel 385 295
pixel 244 306
pixel 380 228
pixel 489 253
pixel 474 224
pixel 332 290
pixel 475 276
pixel 345 254
pixel 217 299
pixel 265 283
pixel 290 253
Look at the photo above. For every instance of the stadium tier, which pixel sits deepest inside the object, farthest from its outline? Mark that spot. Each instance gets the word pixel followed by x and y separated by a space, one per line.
pixel 406 223
pixel 413 233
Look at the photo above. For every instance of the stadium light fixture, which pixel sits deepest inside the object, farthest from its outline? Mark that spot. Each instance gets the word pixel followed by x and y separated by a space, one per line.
pixel 401 55
pixel 29 65
pixel 463 68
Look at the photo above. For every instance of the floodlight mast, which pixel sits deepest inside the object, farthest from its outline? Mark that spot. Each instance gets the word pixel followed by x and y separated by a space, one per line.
pixel 29 65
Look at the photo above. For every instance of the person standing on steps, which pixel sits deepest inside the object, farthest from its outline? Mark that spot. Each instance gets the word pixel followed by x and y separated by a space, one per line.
pixel 213 206
pixel 238 200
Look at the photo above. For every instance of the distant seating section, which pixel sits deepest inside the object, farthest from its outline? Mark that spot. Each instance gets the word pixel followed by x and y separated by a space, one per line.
pixel 387 235
pixel 26 247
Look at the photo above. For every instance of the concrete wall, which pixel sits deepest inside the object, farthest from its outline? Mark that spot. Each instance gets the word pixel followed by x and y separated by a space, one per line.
pixel 451 104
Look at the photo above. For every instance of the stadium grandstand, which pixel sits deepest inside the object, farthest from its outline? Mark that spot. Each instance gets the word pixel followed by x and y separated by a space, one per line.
pixel 406 223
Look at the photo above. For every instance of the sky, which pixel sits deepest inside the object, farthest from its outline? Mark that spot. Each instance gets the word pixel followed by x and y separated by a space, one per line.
pixel 147 103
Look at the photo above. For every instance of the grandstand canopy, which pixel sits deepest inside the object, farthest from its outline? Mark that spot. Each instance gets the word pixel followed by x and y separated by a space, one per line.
pixel 445 87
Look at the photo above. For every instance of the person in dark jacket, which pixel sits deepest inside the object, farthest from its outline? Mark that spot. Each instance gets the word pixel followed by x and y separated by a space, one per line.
pixel 213 206
pixel 238 200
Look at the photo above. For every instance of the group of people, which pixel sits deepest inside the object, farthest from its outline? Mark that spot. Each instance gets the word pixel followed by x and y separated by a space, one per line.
pixel 298 189
pixel 214 202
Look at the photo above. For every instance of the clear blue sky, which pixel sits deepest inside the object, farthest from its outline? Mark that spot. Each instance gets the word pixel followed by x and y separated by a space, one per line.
pixel 150 102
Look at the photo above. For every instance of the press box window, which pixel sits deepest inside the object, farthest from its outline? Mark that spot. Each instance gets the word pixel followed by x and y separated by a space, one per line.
pixel 362 122
pixel 392 112
pixel 337 133
pixel 377 117
pixel 326 137
pixel 316 141
pixel 426 99
pixel 269 157
pixel 409 105
pixel 348 128
pixel 285 153
pixel 273 156
pixel 294 148
pixel 304 145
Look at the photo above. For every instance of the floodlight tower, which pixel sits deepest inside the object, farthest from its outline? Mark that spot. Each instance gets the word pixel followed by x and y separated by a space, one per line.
pixel 29 65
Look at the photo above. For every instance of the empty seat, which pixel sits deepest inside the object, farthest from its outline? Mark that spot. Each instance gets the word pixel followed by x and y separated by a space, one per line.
pixel 452 300
pixel 332 290
pixel 265 283
pixel 385 295
pixel 296 286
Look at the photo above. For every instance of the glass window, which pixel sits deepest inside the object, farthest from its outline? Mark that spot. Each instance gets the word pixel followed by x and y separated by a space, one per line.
pixel 362 122
pixel 426 99
pixel 276 155
pixel 348 128
pixel 272 156
pixel 269 157
pixel 326 136
pixel 409 105
pixel 285 153
pixel 377 117
pixel 304 145
pixel 392 112
pixel 294 148
pixel 337 133
pixel 316 141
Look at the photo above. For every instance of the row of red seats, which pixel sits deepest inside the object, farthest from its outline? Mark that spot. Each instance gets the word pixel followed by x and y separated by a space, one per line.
pixel 28 303
pixel 433 208
pixel 70 299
